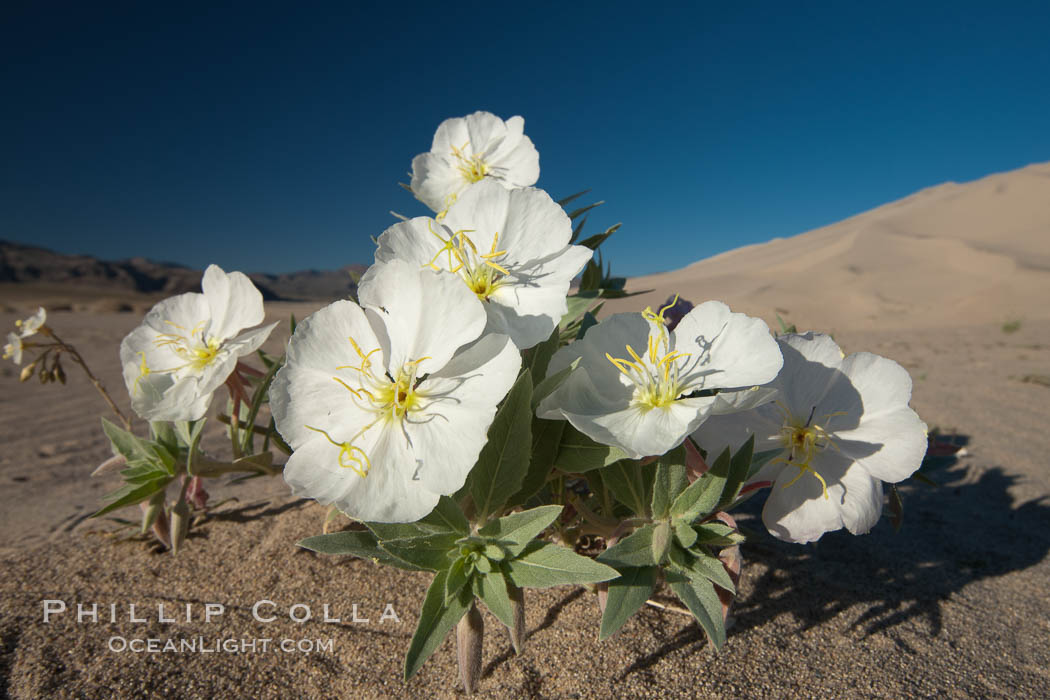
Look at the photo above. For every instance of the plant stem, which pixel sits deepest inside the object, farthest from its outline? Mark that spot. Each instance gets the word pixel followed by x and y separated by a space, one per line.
pixel 65 347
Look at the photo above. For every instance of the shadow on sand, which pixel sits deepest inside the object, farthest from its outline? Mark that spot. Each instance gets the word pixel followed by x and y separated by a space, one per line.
pixel 966 529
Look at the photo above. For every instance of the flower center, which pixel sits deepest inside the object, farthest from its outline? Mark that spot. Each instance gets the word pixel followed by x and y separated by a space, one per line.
pixel 391 398
pixel 479 271
pixel 195 348
pixel 804 441
pixel 656 378
pixel 472 168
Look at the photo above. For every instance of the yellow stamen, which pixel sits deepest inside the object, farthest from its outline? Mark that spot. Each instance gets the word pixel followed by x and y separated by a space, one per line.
pixel 350 456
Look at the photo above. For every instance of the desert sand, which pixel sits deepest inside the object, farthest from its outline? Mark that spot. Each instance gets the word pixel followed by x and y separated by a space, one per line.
pixel 953 283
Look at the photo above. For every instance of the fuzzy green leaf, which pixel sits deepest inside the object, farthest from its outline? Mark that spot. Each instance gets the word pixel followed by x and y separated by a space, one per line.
pixel 670 480
pixel 492 589
pixel 739 466
pixel 700 597
pixel 436 619
pixel 130 494
pixel 632 551
pixel 355 543
pixel 703 495
pixel 578 453
pixel 504 459
pixel 515 531
pixel 428 552
pixel 546 441
pixel 543 564
pixel 631 484
pixel 626 595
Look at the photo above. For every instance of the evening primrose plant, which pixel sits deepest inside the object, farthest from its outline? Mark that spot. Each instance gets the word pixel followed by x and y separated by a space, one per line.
pixel 478 422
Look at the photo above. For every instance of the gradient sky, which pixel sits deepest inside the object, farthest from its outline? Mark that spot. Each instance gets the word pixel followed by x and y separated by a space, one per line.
pixel 271 137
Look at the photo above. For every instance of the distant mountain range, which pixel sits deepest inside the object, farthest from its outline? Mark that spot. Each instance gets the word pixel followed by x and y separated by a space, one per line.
pixel 26 264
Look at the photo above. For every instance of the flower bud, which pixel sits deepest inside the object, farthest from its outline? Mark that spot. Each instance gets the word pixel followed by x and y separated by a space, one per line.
pixel 161 529
pixel 59 374
pixel 517 606
pixel 470 633
pixel 44 375
pixel 180 524
pixel 27 372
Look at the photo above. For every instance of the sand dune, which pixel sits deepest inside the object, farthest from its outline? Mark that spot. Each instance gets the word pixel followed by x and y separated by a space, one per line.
pixel 954 254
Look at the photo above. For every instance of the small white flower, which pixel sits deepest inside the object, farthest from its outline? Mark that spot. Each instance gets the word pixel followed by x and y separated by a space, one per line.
pixel 31 325
pixel 387 405
pixel 471 149
pixel 643 388
pixel 188 345
pixel 509 247
pixel 13 348
pixel 843 426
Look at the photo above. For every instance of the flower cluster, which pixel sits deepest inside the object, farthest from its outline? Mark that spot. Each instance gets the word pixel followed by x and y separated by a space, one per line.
pixel 474 416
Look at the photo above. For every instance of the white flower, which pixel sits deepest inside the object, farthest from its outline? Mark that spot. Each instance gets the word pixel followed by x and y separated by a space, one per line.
pixel 387 405
pixel 32 324
pixel 643 388
pixel 13 348
pixel 843 425
pixel 510 247
pixel 188 345
pixel 471 149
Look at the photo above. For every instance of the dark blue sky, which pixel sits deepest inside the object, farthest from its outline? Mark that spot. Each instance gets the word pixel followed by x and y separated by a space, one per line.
pixel 271 137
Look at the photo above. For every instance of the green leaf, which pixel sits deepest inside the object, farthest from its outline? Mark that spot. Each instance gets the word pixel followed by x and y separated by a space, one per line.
pixel 355 543
pixel 492 589
pixel 143 472
pixel 597 239
pixel 447 517
pixel 684 533
pixel 630 485
pixel 716 534
pixel 546 441
pixel 543 564
pixel 694 563
pixel 661 541
pixel 504 459
pixel 700 597
pixel 739 466
pixel 538 357
pixel 124 443
pixel 626 595
pixel 429 552
pixel 670 480
pixel 759 460
pixel 515 531
pixel 262 392
pixel 576 306
pixel 458 576
pixel 548 385
pixel 578 453
pixel 703 495
pixel 436 619
pixel 634 550
pixel 571 197
pixel 130 494
pixel 164 433
pixel 592 277
pixel 583 210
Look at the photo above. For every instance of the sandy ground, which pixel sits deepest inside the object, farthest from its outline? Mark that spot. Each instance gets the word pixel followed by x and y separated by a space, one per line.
pixel 952 283
pixel 956 604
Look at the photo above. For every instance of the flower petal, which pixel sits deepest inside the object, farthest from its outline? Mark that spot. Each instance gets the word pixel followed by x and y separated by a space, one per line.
pixel 386 494
pixel 727 349
pixel 798 512
pixel 427 315
pixel 460 403
pixel 233 301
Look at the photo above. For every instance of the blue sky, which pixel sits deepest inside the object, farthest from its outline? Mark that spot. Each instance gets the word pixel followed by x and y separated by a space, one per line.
pixel 271 137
